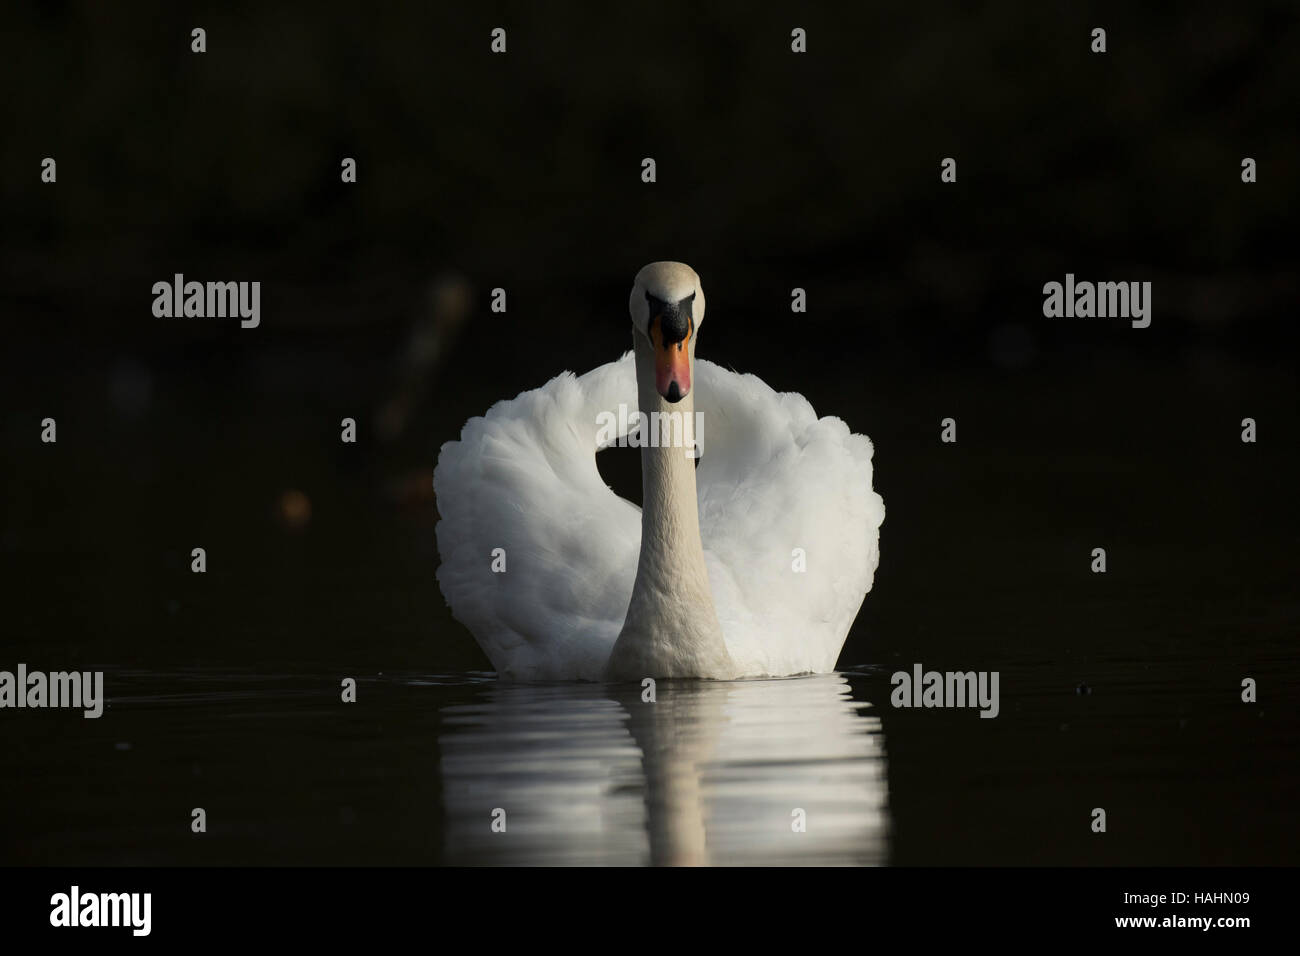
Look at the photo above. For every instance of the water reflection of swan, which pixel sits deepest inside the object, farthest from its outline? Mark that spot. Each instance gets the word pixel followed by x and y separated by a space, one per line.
pixel 708 773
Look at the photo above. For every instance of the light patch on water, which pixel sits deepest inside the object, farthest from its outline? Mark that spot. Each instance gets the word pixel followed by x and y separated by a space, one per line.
pixel 712 773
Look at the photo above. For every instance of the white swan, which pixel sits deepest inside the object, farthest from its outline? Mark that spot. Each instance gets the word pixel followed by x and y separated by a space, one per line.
pixel 760 574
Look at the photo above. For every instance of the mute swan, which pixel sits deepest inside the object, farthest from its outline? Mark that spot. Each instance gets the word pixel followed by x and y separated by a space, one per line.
pixel 755 564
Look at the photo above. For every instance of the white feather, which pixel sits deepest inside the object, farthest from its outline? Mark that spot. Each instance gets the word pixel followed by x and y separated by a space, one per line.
pixel 773 478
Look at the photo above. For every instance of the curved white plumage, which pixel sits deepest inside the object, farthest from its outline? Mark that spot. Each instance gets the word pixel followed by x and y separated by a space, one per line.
pixel 773 478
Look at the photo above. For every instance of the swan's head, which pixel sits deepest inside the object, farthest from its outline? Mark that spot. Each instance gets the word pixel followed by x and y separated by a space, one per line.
pixel 667 306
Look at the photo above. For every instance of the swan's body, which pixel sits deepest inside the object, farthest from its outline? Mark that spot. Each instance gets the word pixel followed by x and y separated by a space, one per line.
pixel 706 581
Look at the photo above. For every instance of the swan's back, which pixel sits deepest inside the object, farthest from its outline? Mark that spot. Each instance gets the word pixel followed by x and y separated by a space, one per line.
pixel 773 478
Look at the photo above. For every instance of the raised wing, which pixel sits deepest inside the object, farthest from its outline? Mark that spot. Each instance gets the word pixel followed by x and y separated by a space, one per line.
pixel 789 520
pixel 523 479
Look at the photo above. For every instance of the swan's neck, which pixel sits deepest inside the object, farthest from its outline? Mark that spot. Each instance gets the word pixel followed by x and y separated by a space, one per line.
pixel 671 629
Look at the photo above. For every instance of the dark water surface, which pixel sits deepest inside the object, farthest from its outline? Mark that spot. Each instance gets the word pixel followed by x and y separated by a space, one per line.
pixel 590 774
pixel 1119 691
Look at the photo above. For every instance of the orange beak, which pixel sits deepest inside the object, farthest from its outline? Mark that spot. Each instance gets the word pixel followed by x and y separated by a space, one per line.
pixel 672 364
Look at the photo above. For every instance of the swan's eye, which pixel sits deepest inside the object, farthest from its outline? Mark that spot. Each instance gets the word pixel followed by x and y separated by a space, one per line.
pixel 654 309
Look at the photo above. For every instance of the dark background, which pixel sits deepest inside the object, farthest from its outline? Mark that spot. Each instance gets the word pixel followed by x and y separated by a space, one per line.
pixel 775 170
